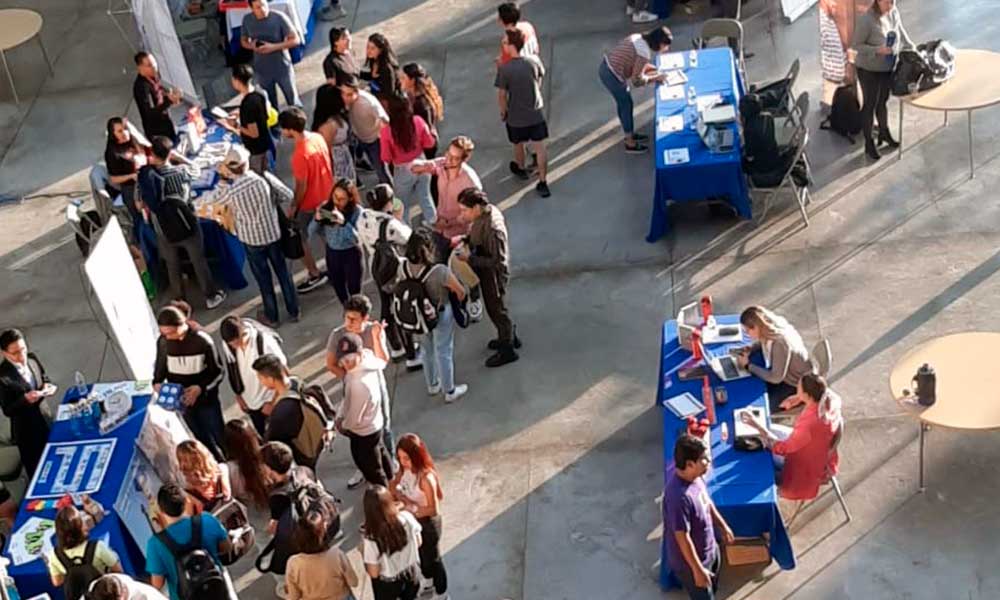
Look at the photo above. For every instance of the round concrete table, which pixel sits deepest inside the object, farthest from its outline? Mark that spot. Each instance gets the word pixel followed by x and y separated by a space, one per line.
pixel 975 85
pixel 968 383
pixel 17 26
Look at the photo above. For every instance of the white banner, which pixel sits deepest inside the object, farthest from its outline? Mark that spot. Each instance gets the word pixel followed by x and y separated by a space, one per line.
pixel 159 38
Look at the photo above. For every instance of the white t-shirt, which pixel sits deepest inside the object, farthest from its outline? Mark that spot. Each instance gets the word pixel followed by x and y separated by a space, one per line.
pixel 136 590
pixel 390 566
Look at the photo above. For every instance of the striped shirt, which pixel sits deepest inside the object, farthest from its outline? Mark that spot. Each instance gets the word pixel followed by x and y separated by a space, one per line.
pixel 627 59
pixel 254 211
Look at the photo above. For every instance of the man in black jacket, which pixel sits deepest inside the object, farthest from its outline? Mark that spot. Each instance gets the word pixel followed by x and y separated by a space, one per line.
pixel 23 386
pixel 187 357
pixel 152 100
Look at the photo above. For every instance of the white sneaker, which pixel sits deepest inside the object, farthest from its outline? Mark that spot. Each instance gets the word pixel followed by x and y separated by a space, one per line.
pixel 357 479
pixel 331 13
pixel 434 390
pixel 629 10
pixel 456 393
pixel 444 596
pixel 216 299
pixel 426 587
pixel 281 591
pixel 644 16
pixel 396 354
pixel 414 364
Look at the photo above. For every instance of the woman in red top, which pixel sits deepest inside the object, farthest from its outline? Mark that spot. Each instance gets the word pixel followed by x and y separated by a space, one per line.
pixel 402 145
pixel 804 457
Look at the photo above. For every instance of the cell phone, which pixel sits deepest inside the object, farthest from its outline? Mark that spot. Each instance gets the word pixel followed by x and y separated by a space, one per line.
pixel 48 389
pixel 331 215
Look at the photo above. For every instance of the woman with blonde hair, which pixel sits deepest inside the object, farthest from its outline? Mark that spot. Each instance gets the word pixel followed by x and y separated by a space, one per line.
pixel 786 358
pixel 205 480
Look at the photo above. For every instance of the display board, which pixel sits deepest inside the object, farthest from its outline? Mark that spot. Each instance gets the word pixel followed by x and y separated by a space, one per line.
pixel 793 9
pixel 159 37
pixel 122 299
pixel 71 468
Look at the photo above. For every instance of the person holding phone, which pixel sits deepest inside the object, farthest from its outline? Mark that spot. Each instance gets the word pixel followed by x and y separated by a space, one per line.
pixel 338 221
pixel 269 34
pixel 879 35
pixel 23 386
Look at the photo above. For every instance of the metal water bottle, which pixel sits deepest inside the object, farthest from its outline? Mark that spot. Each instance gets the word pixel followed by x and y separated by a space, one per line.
pixel 707 399
pixel 706 308
pixel 925 385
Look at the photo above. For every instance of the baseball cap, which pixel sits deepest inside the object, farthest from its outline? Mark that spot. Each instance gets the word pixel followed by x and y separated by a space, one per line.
pixel 236 156
pixel 349 343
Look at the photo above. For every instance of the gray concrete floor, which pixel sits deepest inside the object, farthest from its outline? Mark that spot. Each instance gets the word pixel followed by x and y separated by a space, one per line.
pixel 552 466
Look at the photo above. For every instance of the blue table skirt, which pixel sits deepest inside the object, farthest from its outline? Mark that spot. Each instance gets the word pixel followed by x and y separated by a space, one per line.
pixel 741 484
pixel 297 53
pixel 223 250
pixel 32 578
pixel 707 174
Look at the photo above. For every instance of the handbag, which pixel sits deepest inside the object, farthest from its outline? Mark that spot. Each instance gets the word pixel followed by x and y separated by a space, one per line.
pixel 291 237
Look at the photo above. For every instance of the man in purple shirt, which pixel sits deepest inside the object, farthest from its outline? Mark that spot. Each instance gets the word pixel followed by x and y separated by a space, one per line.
pixel 688 516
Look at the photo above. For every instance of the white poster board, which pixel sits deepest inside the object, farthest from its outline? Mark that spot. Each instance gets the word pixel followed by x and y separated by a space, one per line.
pixel 122 299
pixel 159 37
pixel 793 9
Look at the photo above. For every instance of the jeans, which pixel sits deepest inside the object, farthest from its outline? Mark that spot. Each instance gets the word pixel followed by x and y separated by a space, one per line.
pixel 373 151
pixel 414 189
pixel 371 457
pixel 194 247
pixel 284 80
pixel 431 564
pixel 697 593
pixel 259 163
pixel 345 268
pixel 875 89
pixel 622 96
pixel 204 419
pixel 262 259
pixel 437 352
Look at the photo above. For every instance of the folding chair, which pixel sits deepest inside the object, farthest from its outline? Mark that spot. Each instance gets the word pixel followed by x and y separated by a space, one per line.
pixel 821 357
pixel 732 31
pixel 799 140
pixel 830 479
pixel 785 125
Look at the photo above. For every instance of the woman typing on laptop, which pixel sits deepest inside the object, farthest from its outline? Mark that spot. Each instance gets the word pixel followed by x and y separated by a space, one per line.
pixel 786 359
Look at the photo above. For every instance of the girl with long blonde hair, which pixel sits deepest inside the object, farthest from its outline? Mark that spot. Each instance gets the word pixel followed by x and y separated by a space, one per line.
pixel 204 479
pixel 784 354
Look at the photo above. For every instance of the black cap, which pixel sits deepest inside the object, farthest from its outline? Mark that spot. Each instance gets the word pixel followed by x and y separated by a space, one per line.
pixel 349 343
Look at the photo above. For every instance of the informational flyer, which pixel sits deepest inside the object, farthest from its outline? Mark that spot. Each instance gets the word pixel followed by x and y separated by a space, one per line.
pixel 71 468
pixel 30 540
pixel 135 498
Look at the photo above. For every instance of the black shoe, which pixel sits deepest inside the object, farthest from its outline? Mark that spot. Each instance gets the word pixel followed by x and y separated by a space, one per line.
pixel 640 137
pixel 505 355
pixel 636 148
pixel 518 171
pixel 871 150
pixel 888 141
pixel 494 344
pixel 311 283
pixel 543 189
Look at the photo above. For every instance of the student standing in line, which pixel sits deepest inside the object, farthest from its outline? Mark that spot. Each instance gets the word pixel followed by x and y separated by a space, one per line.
pixel 390 547
pixel 243 343
pixel 367 117
pixel 270 35
pixel 339 61
pixel 380 67
pixel 292 422
pixel 330 121
pixel 361 418
pixel 23 386
pixel 338 222
pixel 519 85
pixel 454 176
pixel 206 480
pixel 320 571
pixel 245 463
pixel 402 144
pixel 425 99
pixel 252 124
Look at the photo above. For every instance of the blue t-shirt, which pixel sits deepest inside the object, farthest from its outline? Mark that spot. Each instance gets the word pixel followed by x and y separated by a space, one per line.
pixel 686 508
pixel 159 560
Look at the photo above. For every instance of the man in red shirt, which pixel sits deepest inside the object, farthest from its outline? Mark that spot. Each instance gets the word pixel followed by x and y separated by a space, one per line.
pixel 313 183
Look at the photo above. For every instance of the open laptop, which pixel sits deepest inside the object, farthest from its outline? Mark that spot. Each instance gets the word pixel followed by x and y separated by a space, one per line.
pixel 725 366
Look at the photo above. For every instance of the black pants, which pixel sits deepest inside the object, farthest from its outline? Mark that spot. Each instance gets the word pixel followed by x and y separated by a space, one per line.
pixel 31 432
pixel 259 420
pixel 204 419
pixel 371 457
pixel 697 593
pixel 345 269
pixel 398 339
pixel 496 307
pixel 431 564
pixel 778 393
pixel 875 88
pixel 403 588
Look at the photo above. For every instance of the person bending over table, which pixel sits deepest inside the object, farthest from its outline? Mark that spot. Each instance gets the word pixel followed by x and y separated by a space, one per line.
pixel 803 457
pixel 689 521
pixel 786 359
pixel 23 386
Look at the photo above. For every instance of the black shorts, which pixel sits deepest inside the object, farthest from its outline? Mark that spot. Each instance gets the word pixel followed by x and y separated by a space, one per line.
pixel 532 133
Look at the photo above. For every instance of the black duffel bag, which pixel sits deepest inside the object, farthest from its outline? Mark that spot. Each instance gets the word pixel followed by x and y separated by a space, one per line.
pixel 912 73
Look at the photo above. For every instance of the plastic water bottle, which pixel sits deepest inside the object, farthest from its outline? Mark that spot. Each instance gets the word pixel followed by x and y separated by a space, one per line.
pixel 724 432
pixel 693 59
pixel 81 384
pixel 692 95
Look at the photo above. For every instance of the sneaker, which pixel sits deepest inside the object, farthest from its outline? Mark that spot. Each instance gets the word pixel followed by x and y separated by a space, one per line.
pixel 640 137
pixel 215 299
pixel 503 356
pixel 295 318
pixel 426 587
pixel 636 148
pixel 543 189
pixel 262 318
pixel 395 354
pixel 414 364
pixel 518 171
pixel 281 591
pixel 644 16
pixel 494 344
pixel 332 13
pixel 357 479
pixel 311 283
pixel 434 390
pixel 459 391
pixel 629 11
pixel 444 596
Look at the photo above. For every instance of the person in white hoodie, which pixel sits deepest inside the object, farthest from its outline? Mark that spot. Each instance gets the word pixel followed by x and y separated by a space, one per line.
pixel 246 340
pixel 360 417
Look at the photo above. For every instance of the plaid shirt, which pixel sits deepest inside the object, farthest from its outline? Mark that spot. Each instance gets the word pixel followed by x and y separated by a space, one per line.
pixel 254 211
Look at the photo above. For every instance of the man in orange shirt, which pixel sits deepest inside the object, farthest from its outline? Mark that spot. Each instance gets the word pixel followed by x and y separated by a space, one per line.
pixel 313 175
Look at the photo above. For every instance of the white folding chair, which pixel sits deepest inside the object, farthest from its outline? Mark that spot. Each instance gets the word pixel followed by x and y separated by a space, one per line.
pixel 821 357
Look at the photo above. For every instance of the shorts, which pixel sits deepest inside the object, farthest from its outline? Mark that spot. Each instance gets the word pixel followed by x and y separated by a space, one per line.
pixel 302 220
pixel 532 133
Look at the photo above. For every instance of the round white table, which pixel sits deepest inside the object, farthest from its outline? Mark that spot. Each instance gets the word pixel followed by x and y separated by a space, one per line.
pixel 17 26
pixel 975 85
pixel 967 386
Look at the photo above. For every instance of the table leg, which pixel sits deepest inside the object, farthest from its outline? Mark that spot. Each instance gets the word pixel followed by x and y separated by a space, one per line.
pixel 923 431
pixel 10 77
pixel 972 164
pixel 945 118
pixel 899 156
pixel 45 54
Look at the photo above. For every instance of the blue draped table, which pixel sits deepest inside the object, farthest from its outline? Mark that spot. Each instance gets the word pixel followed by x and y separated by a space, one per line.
pixel 297 53
pixel 741 484
pixel 706 174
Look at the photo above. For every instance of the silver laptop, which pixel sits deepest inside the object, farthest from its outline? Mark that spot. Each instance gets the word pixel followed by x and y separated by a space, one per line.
pixel 726 367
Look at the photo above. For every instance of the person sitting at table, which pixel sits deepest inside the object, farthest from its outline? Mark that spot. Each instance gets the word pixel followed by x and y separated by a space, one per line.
pixel 23 386
pixel 204 479
pixel 631 63
pixel 803 457
pixel 75 561
pixel 123 156
pixel 786 359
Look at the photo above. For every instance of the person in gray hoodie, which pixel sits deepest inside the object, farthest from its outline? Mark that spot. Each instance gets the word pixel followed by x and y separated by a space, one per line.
pixel 878 37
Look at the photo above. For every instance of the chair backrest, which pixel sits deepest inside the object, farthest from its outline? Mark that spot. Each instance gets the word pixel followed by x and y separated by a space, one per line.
pixel 802 106
pixel 723 28
pixel 793 73
pixel 837 437
pixel 822 357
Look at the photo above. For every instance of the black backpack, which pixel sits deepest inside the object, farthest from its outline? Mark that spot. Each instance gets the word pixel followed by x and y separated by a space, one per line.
pixel 912 69
pixel 174 213
pixel 845 113
pixel 385 259
pixel 411 306
pixel 198 575
pixel 80 571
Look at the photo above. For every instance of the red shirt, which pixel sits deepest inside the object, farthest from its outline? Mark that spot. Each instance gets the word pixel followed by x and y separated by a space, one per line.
pixel 311 163
pixel 807 456
pixel 392 154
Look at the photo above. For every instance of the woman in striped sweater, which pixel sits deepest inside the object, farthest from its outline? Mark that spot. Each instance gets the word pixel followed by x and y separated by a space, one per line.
pixel 631 63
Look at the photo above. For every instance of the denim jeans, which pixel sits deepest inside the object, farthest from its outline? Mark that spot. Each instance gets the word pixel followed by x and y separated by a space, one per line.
pixel 204 419
pixel 284 80
pixel 262 259
pixel 438 350
pixel 414 189
pixel 622 96
pixel 373 151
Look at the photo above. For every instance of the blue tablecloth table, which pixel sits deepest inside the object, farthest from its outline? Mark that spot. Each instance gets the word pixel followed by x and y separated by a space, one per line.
pixel 741 484
pixel 706 174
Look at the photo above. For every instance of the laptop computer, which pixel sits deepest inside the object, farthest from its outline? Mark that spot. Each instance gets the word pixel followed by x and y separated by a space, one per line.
pixel 726 367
